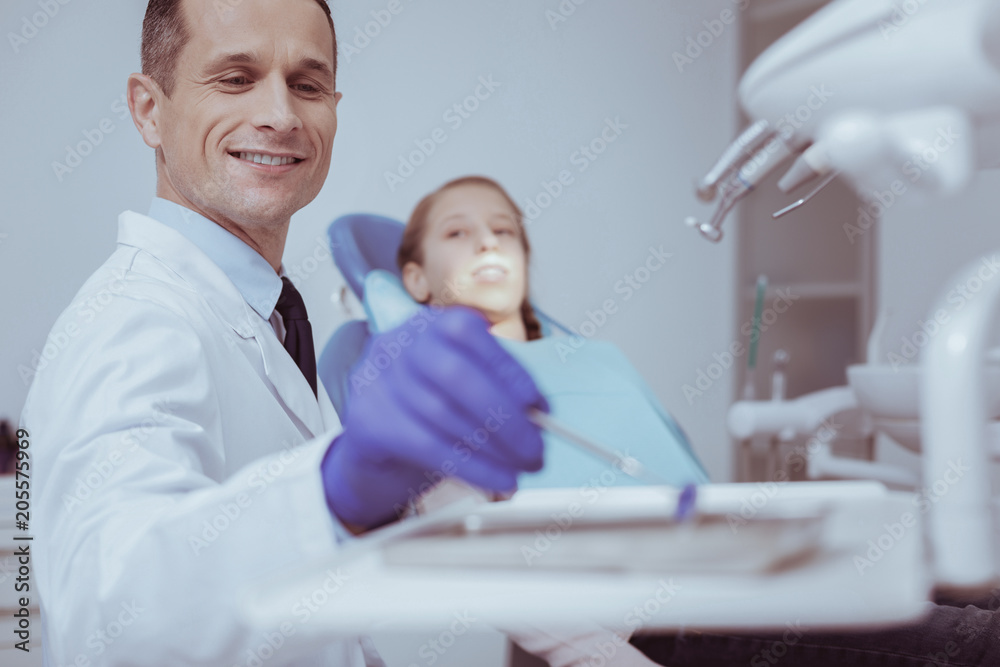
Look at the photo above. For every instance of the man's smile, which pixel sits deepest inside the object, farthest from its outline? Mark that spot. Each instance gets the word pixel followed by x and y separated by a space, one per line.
pixel 266 159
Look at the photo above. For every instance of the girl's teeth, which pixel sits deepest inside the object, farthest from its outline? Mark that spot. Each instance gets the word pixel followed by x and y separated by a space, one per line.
pixel 490 274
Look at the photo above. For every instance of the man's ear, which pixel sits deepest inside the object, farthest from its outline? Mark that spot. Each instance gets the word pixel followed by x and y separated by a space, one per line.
pixel 145 103
pixel 415 282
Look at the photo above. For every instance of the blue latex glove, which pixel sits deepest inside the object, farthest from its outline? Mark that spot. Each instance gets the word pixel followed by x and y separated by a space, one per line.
pixel 452 403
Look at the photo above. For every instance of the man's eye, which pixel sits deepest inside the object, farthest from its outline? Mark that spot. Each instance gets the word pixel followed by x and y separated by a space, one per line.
pixel 239 80
pixel 307 88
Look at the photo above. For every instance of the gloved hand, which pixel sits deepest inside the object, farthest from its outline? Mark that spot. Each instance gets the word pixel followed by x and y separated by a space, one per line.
pixel 452 402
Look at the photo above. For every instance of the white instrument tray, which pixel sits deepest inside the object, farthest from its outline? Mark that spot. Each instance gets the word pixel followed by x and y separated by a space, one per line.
pixel 761 556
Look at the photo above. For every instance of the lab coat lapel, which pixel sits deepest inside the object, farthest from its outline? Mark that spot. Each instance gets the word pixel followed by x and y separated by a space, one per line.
pixel 189 262
pixel 289 382
pixel 329 414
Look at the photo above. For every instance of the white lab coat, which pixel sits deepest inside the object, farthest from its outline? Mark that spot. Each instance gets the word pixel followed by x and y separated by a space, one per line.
pixel 175 457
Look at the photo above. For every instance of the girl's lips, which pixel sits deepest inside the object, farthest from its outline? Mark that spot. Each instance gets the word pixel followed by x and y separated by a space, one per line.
pixel 490 273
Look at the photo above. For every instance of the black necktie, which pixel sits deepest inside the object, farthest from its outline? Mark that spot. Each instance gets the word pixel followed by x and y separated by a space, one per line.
pixel 298 332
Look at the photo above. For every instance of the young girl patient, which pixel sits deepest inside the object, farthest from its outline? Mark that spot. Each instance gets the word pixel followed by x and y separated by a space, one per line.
pixel 465 244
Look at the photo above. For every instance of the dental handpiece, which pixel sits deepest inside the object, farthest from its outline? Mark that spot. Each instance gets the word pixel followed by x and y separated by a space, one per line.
pixel 738 152
pixel 739 184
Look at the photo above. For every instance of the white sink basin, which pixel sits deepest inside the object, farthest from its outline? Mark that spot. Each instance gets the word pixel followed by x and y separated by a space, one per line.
pixel 907 433
pixel 894 393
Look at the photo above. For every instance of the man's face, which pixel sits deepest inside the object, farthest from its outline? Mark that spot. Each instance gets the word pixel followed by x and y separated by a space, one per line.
pixel 247 134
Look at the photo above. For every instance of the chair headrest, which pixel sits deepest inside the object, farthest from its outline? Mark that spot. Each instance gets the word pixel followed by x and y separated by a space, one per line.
pixel 387 303
pixel 363 242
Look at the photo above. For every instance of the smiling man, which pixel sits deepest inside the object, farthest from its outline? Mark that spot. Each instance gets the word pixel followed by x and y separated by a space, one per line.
pixel 243 122
pixel 182 447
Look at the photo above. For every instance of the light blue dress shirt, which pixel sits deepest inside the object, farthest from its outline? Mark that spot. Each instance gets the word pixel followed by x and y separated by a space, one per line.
pixel 251 274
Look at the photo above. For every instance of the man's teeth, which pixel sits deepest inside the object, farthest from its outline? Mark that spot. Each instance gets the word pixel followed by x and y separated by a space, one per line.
pixel 261 158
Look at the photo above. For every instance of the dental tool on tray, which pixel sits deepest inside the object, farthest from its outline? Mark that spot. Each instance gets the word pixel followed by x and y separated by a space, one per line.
pixel 627 464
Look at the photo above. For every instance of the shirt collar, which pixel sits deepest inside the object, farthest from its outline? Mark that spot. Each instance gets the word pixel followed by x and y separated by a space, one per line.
pixel 244 266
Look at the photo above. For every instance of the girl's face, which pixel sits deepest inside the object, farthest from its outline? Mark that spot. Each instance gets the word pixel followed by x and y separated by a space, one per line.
pixel 473 254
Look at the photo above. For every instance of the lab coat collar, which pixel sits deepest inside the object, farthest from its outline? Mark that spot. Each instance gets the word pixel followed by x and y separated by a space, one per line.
pixel 205 277
pixel 251 274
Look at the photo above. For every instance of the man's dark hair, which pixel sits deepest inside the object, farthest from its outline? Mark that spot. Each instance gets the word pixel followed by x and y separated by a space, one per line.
pixel 165 33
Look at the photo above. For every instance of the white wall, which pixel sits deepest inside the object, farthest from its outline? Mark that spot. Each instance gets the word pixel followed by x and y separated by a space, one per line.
pixel 608 60
pixel 923 244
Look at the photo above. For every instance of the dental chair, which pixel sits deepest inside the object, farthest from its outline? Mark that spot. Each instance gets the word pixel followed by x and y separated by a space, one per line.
pixel 359 243
pixel 364 248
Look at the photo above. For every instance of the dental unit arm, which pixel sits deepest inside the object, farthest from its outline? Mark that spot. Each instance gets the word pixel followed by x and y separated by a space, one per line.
pixel 866 90
pixel 862 89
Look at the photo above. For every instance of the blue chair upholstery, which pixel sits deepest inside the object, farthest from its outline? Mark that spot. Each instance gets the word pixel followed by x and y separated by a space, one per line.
pixel 361 242
pixel 339 355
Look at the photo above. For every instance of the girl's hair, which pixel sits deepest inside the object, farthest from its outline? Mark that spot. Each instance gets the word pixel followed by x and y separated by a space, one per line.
pixel 411 247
